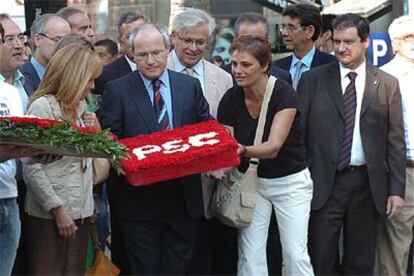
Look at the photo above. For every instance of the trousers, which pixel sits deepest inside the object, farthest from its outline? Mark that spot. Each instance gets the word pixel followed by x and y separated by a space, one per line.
pixel 290 196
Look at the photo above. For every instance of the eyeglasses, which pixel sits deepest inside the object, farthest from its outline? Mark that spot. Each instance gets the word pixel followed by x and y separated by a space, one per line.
pixel 10 39
pixel 54 39
pixel 290 28
pixel 189 41
pixel 408 38
pixel 144 56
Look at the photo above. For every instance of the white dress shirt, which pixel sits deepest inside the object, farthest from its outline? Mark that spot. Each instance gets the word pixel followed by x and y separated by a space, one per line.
pixel 198 69
pixel 10 105
pixel 357 151
pixel 403 70
pixel 131 64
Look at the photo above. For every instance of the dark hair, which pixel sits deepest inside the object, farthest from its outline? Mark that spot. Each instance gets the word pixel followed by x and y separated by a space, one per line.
pixel 129 17
pixel 327 20
pixel 4 16
pixel 1 31
pixel 352 20
pixel 249 18
pixel 307 14
pixel 259 47
pixel 109 44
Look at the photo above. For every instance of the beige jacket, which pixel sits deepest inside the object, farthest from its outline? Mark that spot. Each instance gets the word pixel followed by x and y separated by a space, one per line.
pixel 66 182
pixel 216 83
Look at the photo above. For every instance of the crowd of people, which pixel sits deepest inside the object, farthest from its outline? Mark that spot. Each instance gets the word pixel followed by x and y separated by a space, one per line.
pixel 335 191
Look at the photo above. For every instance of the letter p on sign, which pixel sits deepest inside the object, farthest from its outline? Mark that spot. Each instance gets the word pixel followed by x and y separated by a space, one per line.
pixel 379 51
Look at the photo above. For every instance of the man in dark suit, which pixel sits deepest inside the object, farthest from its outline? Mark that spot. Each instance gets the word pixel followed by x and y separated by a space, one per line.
pixel 254 24
pixel 301 25
pixel 125 64
pixel 353 129
pixel 157 221
pixel 46 31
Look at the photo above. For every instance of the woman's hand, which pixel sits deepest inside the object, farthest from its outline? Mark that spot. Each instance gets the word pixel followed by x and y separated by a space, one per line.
pixel 90 120
pixel 64 222
pixel 218 174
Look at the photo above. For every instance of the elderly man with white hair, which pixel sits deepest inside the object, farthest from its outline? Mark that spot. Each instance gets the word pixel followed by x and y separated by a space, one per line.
pixel 191 30
pixel 396 234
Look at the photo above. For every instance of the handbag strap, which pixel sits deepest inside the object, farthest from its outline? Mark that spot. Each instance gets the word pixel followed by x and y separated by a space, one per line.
pixel 254 162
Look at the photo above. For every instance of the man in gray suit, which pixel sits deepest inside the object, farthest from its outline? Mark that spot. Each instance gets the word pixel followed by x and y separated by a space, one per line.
pixel 353 129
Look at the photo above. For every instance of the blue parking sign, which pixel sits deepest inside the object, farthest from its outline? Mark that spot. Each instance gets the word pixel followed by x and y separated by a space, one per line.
pixel 380 49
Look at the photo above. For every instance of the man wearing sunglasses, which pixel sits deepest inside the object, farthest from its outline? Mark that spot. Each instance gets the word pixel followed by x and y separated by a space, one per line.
pixel 46 31
pixel 301 25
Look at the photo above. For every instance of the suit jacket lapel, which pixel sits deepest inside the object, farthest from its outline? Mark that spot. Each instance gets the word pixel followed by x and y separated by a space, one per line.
pixel 170 62
pixel 334 87
pixel 210 81
pixel 139 96
pixel 315 59
pixel 371 86
pixel 177 90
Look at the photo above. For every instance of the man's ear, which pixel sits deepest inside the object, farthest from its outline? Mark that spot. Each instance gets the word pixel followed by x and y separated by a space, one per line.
pixel 168 47
pixel 310 30
pixel 36 40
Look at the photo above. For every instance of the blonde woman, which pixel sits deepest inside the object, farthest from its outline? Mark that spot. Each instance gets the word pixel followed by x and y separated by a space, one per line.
pixel 59 200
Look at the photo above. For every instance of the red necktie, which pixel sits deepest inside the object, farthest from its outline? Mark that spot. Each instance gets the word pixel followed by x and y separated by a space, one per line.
pixel 160 108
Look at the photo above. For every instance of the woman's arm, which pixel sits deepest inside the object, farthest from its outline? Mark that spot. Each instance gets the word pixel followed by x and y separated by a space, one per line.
pixel 279 131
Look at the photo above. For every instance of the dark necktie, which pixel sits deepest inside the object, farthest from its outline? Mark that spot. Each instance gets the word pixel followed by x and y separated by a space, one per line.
pixel 349 113
pixel 160 108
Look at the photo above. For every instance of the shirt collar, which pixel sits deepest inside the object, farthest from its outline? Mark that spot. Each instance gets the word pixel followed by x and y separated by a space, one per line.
pixel 405 64
pixel 307 59
pixel 179 67
pixel 131 64
pixel 40 70
pixel 18 78
pixel 148 83
pixel 360 70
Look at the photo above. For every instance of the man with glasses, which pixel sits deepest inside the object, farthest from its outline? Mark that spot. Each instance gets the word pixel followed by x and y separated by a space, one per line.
pixel 11 58
pixel 46 31
pixel 127 23
pixel 157 221
pixel 191 30
pixel 396 234
pixel 79 22
pixel 301 25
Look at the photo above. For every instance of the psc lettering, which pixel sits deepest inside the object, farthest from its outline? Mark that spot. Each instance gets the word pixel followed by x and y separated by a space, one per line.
pixel 174 146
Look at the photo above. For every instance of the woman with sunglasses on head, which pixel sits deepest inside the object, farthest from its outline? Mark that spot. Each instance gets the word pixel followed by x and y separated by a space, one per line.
pixel 59 200
pixel 284 181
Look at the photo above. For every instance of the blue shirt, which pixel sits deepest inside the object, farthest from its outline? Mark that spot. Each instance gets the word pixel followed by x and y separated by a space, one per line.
pixel 165 92
pixel 306 62
pixel 40 70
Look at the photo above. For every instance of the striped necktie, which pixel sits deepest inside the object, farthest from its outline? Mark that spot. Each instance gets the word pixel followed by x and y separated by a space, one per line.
pixel 349 101
pixel 160 108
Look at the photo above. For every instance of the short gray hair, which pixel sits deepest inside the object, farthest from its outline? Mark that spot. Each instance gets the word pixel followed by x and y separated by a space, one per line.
pixel 161 29
pixel 67 12
pixel 193 17
pixel 39 24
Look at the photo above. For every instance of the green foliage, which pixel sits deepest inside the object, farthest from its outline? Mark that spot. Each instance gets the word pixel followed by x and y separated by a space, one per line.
pixel 63 136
